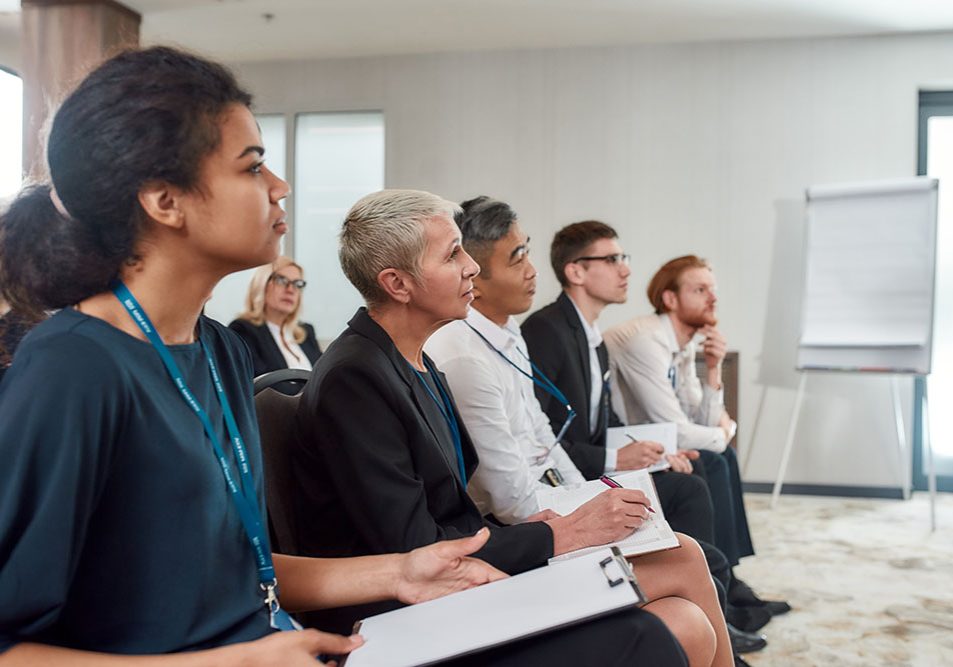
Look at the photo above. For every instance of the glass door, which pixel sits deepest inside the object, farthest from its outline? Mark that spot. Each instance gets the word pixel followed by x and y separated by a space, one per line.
pixel 936 159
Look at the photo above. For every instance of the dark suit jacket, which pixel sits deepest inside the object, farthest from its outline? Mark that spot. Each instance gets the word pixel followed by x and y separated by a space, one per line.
pixel 373 477
pixel 557 344
pixel 265 354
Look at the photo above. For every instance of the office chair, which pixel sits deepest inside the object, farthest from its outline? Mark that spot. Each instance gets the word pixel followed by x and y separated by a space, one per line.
pixel 276 410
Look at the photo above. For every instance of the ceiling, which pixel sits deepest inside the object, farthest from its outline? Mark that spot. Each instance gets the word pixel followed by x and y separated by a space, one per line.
pixel 247 30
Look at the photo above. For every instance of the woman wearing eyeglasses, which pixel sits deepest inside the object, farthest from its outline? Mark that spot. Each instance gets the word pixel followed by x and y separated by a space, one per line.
pixel 270 326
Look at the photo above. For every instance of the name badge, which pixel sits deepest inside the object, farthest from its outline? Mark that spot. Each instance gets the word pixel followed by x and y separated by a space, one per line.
pixel 552 477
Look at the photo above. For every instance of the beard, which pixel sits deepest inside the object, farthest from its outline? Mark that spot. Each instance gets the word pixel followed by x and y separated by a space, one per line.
pixel 700 318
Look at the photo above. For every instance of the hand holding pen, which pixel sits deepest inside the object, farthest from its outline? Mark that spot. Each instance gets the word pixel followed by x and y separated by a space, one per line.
pixel 611 516
pixel 611 483
pixel 639 454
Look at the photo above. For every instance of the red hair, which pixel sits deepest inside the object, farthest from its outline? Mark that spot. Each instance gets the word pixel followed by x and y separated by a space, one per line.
pixel 667 279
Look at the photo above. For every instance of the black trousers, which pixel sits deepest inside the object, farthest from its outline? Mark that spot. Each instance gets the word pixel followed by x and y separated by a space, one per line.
pixel 633 637
pixel 721 473
pixel 720 572
pixel 687 504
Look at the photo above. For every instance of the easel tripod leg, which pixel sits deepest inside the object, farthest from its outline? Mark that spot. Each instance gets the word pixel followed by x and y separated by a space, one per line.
pixel 754 432
pixel 902 457
pixel 789 441
pixel 928 452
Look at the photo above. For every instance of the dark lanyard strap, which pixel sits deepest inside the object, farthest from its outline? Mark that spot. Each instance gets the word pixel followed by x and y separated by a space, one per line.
pixel 542 381
pixel 242 493
pixel 446 409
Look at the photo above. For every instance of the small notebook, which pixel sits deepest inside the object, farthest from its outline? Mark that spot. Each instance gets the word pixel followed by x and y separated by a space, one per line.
pixel 664 433
pixel 498 613
pixel 653 535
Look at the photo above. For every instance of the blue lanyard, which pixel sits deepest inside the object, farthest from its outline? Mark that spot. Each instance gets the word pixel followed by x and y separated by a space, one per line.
pixel 542 381
pixel 446 409
pixel 243 492
pixel 671 376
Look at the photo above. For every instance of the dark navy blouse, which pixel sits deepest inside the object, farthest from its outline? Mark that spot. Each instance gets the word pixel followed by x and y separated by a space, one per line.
pixel 117 533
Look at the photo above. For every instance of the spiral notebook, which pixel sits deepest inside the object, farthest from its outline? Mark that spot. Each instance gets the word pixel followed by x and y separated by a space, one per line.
pixel 653 535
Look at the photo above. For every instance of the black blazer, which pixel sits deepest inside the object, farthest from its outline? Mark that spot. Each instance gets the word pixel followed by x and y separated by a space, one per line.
pixel 265 354
pixel 557 344
pixel 372 476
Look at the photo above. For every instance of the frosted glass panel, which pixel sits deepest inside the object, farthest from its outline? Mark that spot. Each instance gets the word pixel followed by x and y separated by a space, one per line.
pixel 940 165
pixel 273 136
pixel 11 133
pixel 339 158
pixel 228 299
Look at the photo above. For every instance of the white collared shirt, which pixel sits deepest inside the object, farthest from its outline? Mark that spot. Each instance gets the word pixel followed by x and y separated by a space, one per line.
pixel 653 380
pixel 290 350
pixel 499 408
pixel 594 339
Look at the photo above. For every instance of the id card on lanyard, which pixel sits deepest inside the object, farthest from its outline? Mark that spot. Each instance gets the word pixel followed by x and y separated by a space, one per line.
pixel 242 491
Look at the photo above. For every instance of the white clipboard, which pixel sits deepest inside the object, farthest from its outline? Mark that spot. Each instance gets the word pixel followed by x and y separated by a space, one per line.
pixel 498 613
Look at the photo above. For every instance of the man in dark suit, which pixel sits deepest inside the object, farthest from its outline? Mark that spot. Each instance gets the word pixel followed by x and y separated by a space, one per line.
pixel 564 342
pixel 382 457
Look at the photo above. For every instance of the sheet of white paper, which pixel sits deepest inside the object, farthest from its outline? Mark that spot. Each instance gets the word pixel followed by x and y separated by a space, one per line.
pixel 665 433
pixel 492 614
pixel 653 535
pixel 869 269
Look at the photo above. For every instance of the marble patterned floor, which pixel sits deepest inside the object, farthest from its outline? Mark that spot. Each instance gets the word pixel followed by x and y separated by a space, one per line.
pixel 869 583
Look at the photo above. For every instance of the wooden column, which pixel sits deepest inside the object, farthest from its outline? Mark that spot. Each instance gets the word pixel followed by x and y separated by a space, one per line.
pixel 61 41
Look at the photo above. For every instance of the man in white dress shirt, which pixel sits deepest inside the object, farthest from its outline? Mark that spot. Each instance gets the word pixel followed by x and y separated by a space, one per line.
pixel 654 380
pixel 654 356
pixel 485 360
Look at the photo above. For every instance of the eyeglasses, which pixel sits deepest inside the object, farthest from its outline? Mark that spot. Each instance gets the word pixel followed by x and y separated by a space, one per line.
pixel 617 259
pixel 281 281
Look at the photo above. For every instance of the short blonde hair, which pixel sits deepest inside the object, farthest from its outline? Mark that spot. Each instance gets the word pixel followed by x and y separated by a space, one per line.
pixel 385 230
pixel 255 300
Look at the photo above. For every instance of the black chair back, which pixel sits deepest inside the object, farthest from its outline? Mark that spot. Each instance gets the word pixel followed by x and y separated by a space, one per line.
pixel 276 411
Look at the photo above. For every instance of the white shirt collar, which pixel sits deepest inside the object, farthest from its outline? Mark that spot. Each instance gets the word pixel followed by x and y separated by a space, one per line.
pixel 500 337
pixel 668 332
pixel 276 330
pixel 593 334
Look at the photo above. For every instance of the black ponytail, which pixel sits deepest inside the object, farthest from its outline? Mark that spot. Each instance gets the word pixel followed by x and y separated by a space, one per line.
pixel 48 260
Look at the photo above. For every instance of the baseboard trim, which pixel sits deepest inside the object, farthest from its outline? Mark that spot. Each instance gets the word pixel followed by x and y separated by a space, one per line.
pixel 892 493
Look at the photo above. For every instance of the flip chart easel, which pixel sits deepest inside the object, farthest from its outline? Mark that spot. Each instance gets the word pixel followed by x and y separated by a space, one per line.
pixel 869 284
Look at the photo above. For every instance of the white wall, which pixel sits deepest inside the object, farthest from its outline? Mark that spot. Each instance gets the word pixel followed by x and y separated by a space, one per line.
pixel 683 148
